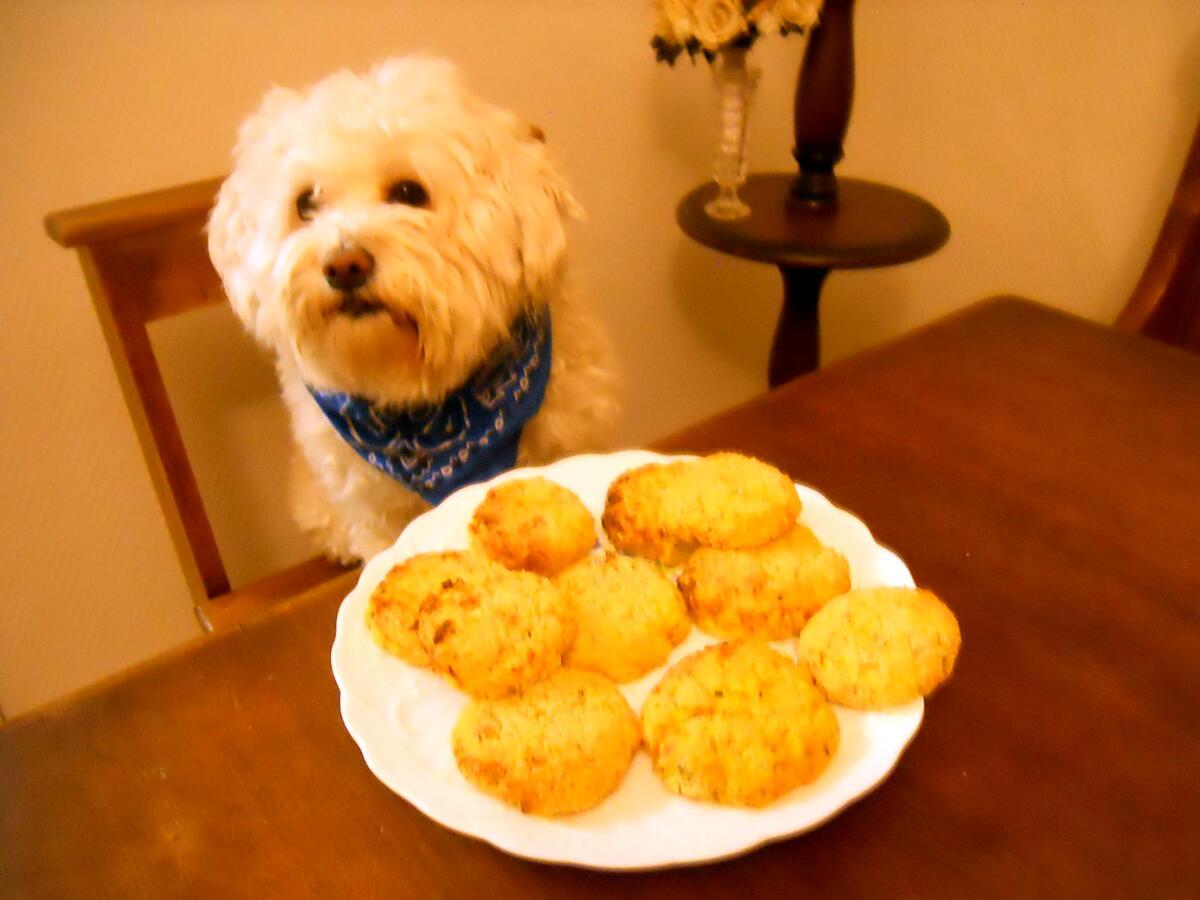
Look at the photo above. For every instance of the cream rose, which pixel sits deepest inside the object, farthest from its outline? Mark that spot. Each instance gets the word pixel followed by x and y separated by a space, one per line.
pixel 674 20
pixel 797 12
pixel 764 19
pixel 717 22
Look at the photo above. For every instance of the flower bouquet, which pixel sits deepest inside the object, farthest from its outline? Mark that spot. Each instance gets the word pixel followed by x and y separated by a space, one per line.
pixel 707 27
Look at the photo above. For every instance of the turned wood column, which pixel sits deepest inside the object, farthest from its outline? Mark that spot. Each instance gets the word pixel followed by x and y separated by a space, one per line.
pixel 797 345
pixel 824 95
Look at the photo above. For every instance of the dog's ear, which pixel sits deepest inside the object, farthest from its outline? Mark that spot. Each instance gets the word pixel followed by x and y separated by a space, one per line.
pixel 543 210
pixel 235 234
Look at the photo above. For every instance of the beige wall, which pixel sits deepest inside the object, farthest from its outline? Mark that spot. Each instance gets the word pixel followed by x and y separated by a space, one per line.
pixel 1050 133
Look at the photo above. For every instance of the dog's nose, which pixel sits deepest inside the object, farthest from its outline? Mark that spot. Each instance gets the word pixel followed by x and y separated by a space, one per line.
pixel 348 268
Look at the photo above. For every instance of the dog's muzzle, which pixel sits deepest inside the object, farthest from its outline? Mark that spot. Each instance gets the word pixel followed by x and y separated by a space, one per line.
pixel 348 268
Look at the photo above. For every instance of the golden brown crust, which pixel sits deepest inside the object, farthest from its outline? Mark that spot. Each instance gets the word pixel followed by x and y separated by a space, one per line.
pixel 559 748
pixel 766 592
pixel 533 524
pixel 630 616
pixel 497 635
pixel 633 518
pixel 738 723
pixel 664 511
pixel 395 604
pixel 881 647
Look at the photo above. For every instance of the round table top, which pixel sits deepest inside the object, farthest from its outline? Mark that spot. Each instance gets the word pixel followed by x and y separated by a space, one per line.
pixel 872 225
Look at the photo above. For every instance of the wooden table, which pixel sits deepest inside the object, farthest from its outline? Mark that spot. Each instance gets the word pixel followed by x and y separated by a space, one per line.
pixel 1041 473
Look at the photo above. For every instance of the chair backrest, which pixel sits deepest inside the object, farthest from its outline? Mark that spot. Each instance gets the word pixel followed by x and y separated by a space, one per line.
pixel 145 258
pixel 1166 302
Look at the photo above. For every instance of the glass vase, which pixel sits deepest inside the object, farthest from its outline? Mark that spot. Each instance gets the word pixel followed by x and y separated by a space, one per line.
pixel 735 77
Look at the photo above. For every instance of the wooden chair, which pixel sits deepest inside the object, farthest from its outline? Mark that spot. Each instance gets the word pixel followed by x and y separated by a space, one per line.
pixel 1166 302
pixel 145 258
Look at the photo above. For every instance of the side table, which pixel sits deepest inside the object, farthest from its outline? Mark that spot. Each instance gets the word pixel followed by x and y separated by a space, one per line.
pixel 870 225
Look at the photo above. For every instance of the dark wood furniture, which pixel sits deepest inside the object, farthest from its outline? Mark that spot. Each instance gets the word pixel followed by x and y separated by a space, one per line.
pixel 872 225
pixel 821 113
pixel 145 258
pixel 1166 302
pixel 1056 512
pixel 809 222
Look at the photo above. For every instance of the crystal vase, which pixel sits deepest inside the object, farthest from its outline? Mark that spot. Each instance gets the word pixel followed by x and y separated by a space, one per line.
pixel 735 77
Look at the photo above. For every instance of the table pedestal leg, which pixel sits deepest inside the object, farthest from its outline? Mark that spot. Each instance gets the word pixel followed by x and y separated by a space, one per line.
pixel 797 346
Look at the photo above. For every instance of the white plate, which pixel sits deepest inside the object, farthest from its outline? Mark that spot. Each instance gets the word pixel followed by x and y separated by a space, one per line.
pixel 402 716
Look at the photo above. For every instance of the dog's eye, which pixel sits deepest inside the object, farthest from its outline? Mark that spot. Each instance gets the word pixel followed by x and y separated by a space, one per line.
pixel 306 205
pixel 408 192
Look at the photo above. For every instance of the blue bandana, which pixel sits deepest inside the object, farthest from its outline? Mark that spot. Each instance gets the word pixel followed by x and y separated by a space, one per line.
pixel 468 437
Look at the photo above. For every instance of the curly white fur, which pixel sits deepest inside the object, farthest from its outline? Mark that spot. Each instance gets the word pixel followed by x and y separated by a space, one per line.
pixel 450 275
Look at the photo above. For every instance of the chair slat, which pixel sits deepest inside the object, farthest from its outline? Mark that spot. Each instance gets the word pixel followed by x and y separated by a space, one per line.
pixel 154 422
pixel 130 215
pixel 166 271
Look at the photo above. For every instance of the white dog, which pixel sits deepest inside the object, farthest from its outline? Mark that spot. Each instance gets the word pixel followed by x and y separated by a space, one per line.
pixel 400 246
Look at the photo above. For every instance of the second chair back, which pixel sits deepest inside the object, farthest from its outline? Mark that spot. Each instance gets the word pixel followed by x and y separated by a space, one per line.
pixel 1166 302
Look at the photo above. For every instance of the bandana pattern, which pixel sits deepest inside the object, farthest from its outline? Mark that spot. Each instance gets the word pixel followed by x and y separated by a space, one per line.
pixel 470 436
